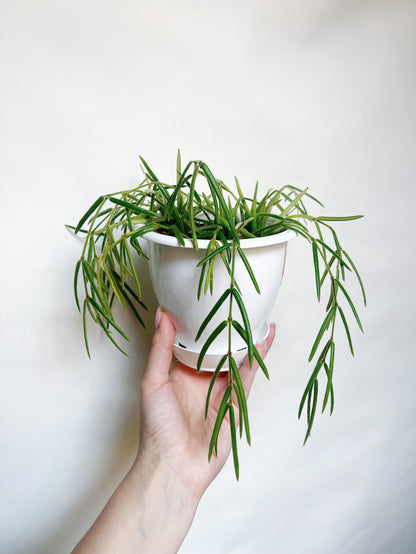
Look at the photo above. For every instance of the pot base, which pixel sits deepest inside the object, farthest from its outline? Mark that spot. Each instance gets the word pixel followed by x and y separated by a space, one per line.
pixel 210 361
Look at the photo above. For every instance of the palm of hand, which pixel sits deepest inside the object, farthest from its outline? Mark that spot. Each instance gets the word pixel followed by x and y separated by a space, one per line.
pixel 174 420
pixel 173 424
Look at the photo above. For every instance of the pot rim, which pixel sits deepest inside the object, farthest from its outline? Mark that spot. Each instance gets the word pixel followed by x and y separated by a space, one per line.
pixel 256 242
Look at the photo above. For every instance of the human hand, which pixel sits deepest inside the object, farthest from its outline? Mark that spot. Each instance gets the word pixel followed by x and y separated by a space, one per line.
pixel 153 507
pixel 173 426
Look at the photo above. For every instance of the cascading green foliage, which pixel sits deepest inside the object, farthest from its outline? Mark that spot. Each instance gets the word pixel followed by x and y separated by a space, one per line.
pixel 106 268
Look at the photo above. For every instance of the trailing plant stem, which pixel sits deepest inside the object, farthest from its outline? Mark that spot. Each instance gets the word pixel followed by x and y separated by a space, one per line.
pixel 230 371
pixel 222 217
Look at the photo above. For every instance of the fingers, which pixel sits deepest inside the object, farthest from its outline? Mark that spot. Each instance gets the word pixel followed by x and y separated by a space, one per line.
pixel 160 357
pixel 247 374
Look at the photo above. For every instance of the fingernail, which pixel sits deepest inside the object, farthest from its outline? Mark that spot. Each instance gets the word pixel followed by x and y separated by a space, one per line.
pixel 158 317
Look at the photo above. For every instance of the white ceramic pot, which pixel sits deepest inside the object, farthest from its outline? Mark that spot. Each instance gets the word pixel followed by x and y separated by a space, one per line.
pixel 175 277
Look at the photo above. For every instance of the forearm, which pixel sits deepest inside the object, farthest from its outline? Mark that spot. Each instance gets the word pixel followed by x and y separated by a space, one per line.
pixel 149 513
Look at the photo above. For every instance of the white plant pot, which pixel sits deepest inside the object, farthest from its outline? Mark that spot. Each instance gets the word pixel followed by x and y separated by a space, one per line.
pixel 175 277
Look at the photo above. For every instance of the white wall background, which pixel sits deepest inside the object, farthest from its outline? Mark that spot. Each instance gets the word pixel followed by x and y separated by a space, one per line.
pixel 319 93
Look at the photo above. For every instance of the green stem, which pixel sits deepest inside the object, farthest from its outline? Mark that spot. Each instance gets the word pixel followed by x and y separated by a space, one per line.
pixel 230 311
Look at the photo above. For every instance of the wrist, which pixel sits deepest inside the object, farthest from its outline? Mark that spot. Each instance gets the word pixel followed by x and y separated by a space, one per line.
pixel 185 469
pixel 165 504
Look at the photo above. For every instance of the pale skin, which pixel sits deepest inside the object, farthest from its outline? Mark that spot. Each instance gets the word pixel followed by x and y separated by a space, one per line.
pixel 152 509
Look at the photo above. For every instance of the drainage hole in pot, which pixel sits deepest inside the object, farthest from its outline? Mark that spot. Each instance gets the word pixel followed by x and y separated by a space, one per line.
pixel 181 345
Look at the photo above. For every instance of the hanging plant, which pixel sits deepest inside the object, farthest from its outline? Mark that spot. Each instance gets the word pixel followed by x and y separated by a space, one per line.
pixel 226 232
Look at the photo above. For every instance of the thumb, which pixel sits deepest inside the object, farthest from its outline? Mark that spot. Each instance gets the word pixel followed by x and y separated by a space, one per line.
pixel 160 357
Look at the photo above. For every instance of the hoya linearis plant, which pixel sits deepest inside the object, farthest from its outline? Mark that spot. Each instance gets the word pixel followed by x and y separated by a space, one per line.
pixel 107 273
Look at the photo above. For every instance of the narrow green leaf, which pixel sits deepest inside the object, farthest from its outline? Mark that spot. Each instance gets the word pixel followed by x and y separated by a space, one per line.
pixel 293 203
pixel 209 279
pixel 109 335
pixel 271 216
pixel 300 207
pixel 209 341
pixel 234 209
pixel 201 281
pixel 76 275
pixel 289 224
pixel 261 363
pixel 327 268
pixel 256 190
pixel 328 387
pixel 336 254
pixel 357 275
pixel 350 302
pixel 223 187
pixel 212 312
pixel 150 172
pixel 191 206
pixel 222 410
pixel 142 231
pixel 329 372
pixel 92 313
pixel 133 207
pixel 112 247
pixel 133 309
pixel 240 330
pixel 113 283
pixel 178 166
pixel 218 194
pixel 234 440
pixel 249 269
pixel 91 251
pixel 332 300
pixel 130 290
pixel 176 216
pixel 316 266
pixel 112 301
pixel 308 413
pixel 339 218
pixel 84 326
pixel 246 234
pixel 104 212
pixel 240 413
pixel 242 197
pixel 212 382
pixel 246 322
pixel 176 232
pixel 332 356
pixel 339 250
pixel 110 321
pixel 92 278
pixel 326 348
pixel 241 395
pixel 293 218
pixel 223 240
pixel 347 331
pixel 312 411
pixel 87 214
pixel 271 229
pixel 308 195
pixel 319 231
pixel 314 375
pixel 228 268
pixel 217 250
pixel 133 269
pixel 329 316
